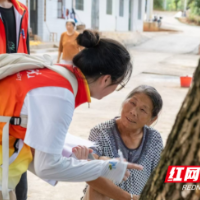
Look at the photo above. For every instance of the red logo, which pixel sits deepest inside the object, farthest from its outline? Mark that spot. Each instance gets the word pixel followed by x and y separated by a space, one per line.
pixel 183 174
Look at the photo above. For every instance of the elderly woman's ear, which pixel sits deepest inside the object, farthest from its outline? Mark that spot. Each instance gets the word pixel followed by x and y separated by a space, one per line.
pixel 153 120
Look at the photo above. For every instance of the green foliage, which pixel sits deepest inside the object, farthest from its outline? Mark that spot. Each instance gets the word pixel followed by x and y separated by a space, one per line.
pixel 174 4
pixel 195 7
pixel 158 4
pixel 190 1
pixel 177 4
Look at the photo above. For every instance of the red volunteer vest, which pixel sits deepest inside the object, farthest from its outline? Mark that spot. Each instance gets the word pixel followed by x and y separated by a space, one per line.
pixel 13 90
pixel 22 19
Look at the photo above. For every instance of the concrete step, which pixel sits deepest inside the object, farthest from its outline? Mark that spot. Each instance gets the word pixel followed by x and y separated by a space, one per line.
pixel 44 45
pixel 44 50
pixel 126 38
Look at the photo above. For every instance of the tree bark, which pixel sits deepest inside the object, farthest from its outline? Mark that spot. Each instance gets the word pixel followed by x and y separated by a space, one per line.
pixel 182 148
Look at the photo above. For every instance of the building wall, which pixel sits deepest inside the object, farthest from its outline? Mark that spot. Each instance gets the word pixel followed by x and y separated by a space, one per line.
pixel 137 24
pixel 41 19
pixel 122 22
pixel 53 23
pixel 85 16
pixel 107 22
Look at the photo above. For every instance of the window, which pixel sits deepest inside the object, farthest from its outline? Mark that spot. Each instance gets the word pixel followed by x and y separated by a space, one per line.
pixel 121 8
pixel 60 9
pixel 109 7
pixel 139 9
pixel 79 5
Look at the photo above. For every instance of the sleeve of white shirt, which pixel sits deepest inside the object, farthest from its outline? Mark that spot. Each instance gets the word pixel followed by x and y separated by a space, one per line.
pixel 50 111
pixel 57 167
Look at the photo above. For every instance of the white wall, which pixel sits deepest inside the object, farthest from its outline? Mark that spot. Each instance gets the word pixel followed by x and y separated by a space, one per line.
pixel 137 24
pixel 122 22
pixel 41 19
pixel 107 22
pixel 85 15
pixel 53 23
pixel 68 4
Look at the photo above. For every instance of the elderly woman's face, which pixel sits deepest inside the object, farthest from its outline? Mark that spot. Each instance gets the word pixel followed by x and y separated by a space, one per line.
pixel 69 26
pixel 137 111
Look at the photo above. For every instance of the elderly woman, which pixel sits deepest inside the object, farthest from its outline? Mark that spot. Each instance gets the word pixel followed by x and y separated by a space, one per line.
pixel 132 134
pixel 68 46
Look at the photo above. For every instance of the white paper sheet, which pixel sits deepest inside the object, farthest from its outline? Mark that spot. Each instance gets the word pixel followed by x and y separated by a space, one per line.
pixel 72 141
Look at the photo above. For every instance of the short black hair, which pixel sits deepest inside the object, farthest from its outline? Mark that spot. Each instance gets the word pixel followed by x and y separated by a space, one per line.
pixel 103 56
pixel 153 94
pixel 71 23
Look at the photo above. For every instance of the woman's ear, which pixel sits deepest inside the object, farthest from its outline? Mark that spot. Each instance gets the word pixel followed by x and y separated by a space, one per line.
pixel 153 120
pixel 105 80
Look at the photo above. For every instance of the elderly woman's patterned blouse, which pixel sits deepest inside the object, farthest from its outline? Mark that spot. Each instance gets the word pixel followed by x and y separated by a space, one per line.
pixel 108 139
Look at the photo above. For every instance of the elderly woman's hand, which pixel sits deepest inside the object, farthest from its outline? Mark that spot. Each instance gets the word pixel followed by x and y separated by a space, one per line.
pixel 81 152
pixel 135 197
pixel 126 175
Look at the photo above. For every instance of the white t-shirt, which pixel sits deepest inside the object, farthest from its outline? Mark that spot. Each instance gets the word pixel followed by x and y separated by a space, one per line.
pixel 50 111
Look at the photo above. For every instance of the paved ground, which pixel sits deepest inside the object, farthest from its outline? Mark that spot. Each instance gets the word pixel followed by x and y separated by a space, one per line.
pixel 158 62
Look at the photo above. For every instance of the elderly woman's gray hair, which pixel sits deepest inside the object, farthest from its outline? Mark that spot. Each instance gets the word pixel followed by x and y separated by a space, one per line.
pixel 153 94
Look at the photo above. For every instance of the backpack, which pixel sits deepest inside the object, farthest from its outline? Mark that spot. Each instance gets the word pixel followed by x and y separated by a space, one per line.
pixel 9 65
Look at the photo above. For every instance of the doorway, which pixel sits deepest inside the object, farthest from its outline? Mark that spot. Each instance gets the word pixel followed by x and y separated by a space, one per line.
pixel 34 16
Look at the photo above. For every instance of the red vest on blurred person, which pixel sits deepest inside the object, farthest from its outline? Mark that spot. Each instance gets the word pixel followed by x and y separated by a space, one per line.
pixel 21 18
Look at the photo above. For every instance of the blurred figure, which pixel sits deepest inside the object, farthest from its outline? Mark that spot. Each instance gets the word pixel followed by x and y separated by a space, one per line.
pixel 14 38
pixel 68 45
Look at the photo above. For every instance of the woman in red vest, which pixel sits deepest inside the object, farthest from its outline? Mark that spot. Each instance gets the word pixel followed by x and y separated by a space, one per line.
pixel 48 100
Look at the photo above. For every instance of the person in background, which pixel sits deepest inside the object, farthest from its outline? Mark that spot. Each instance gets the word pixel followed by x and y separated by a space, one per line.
pixel 68 46
pixel 132 134
pixel 14 38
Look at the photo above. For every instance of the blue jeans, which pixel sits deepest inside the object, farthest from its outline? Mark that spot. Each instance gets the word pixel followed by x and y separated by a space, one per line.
pixel 22 188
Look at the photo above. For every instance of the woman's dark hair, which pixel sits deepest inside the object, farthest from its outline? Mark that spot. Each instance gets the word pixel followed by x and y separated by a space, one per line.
pixel 153 94
pixel 103 56
pixel 71 23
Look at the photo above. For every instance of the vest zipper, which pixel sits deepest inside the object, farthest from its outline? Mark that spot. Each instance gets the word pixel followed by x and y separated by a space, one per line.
pixel 1 17
pixel 20 30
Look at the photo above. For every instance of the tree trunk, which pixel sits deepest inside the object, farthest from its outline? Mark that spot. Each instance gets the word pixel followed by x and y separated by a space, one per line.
pixel 182 148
